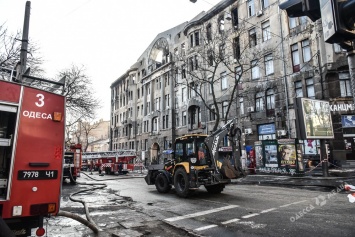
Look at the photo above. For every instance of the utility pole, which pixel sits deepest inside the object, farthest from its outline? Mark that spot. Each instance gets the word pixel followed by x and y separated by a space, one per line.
pixel 24 45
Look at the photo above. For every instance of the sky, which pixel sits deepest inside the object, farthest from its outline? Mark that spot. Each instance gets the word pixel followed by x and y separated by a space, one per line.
pixel 106 37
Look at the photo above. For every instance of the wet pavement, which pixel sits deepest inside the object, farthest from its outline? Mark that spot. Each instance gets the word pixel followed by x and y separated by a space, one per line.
pixel 117 215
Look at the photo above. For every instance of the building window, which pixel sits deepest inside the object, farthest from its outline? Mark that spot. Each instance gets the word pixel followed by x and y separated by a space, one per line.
pixel 255 71
pixel 167 100
pixel 241 105
pixel 251 9
pixel 303 20
pixel 222 51
pixel 191 64
pixel 238 73
pixel 235 19
pixel 298 89
pixel 209 32
pixel 210 85
pixel 224 81
pixel 221 24
pixel 212 113
pixel 157 103
pixel 183 71
pixel 269 64
pixel 197 38
pixel 192 89
pixel 252 37
pixel 155 124
pixel 183 49
pixel 295 58
pixel 224 108
pixel 183 94
pixel 166 121
pixel 210 57
pixel 259 102
pixel 345 86
pixel 236 48
pixel 266 30
pixel 184 118
pixel 292 21
pixel 306 50
pixel 166 80
pixel 191 40
pixel 310 88
pixel 270 103
pixel 196 62
pixel 177 121
pixel 265 3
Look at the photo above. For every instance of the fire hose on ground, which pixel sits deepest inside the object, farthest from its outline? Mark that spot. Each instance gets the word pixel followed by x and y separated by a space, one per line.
pixel 89 222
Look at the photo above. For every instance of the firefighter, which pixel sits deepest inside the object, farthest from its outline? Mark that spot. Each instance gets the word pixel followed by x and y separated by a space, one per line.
pixel 120 166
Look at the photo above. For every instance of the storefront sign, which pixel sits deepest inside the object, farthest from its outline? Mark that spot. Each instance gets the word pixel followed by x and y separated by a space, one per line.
pixel 348 121
pixel 341 107
pixel 266 129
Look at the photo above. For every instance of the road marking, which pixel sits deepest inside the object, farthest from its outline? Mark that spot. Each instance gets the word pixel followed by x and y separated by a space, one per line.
pixel 268 210
pixel 251 215
pixel 177 218
pixel 293 203
pixel 205 227
pixel 230 221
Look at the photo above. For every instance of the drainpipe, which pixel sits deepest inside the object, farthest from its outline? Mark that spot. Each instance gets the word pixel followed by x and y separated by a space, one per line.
pixel 284 76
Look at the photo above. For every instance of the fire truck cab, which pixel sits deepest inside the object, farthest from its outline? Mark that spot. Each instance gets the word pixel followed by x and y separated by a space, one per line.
pixel 72 163
pixel 31 157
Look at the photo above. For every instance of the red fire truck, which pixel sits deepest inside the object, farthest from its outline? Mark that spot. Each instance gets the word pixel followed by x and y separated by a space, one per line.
pixel 31 157
pixel 111 162
pixel 72 163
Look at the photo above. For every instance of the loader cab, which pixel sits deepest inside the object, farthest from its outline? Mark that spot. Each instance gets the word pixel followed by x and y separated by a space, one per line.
pixel 192 149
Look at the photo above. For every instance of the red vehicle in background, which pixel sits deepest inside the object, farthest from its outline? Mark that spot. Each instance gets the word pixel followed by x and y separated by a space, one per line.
pixel 72 163
pixel 111 162
pixel 32 129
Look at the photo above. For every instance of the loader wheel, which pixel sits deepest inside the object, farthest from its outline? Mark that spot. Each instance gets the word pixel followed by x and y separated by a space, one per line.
pixel 181 183
pixel 215 189
pixel 162 183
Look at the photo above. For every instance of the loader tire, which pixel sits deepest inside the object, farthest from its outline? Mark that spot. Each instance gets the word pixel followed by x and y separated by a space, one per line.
pixel 162 183
pixel 215 189
pixel 181 183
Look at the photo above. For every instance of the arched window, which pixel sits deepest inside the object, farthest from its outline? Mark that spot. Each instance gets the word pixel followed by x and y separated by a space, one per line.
pixel 270 102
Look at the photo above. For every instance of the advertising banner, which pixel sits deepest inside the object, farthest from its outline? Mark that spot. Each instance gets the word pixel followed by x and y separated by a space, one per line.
pixel 287 152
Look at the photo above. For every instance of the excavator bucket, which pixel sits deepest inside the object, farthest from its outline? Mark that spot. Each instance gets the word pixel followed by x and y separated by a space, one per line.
pixel 229 171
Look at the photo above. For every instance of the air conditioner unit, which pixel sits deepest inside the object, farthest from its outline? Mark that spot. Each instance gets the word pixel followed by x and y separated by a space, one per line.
pixel 281 132
pixel 259 13
pixel 250 109
pixel 248 131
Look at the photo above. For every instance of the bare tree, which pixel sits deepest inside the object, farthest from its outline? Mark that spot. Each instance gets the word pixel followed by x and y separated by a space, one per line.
pixel 79 93
pixel 216 50
pixel 10 48
pixel 84 132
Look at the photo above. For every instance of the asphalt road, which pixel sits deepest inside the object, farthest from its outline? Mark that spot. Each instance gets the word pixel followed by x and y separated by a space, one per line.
pixel 129 207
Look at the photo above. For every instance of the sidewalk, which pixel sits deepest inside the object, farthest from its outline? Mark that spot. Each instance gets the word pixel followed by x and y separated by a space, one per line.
pixel 310 180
